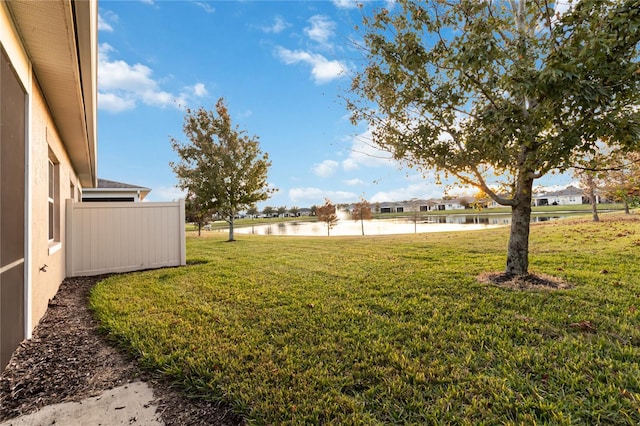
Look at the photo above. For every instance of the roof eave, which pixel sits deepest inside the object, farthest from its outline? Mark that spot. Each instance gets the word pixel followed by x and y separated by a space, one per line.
pixel 60 38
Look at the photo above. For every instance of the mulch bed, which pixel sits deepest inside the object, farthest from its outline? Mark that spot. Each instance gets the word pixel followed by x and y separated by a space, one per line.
pixel 69 360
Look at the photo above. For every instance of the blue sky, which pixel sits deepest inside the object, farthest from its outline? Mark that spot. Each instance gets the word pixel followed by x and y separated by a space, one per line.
pixel 281 67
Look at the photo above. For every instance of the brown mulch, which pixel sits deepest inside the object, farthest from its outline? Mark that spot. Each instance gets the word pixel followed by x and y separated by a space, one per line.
pixel 68 360
pixel 524 282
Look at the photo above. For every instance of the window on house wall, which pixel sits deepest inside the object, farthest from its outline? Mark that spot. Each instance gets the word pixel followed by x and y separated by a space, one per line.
pixel 53 200
pixel 72 191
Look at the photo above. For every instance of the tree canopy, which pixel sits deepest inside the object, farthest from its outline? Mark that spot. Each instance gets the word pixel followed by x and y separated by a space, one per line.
pixel 195 213
pixel 498 94
pixel 220 165
pixel 327 213
pixel 362 211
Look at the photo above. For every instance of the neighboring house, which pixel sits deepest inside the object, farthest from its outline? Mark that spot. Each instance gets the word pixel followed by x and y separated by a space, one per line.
pixel 48 91
pixel 564 197
pixel 109 190
pixel 460 203
pixel 387 207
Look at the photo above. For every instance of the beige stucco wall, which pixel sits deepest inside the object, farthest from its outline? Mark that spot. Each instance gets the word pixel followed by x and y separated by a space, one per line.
pixel 42 135
pixel 11 44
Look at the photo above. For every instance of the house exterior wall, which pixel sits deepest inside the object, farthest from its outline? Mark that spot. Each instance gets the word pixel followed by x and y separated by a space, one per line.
pixel 42 142
pixel 557 200
pixel 45 144
pixel 112 194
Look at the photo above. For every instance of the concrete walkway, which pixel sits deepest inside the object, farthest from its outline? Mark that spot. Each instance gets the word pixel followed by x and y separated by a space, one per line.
pixel 131 404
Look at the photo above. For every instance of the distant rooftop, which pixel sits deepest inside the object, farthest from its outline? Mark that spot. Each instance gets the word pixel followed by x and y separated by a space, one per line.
pixel 110 190
pixel 112 184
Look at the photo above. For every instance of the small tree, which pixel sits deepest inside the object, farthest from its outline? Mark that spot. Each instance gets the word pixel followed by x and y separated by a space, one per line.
pixel 220 165
pixel 282 210
pixel 590 182
pixel 195 213
pixel 252 211
pixel 362 212
pixel 589 169
pixel 268 211
pixel 500 90
pixel 294 211
pixel 327 213
pixel 622 183
pixel 480 200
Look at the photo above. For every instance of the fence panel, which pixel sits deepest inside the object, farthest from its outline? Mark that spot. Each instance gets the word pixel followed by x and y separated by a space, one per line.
pixel 123 237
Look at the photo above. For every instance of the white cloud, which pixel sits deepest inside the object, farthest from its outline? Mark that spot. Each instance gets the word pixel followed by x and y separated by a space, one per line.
pixel 279 25
pixel 354 182
pixel 166 193
pixel 363 152
pixel 345 4
pixel 148 1
pixel 121 85
pixel 321 29
pixel 317 195
pixel 199 90
pixel 417 190
pixel 245 114
pixel 205 6
pixel 563 6
pixel 103 25
pixel 322 69
pixel 326 168
pixel 114 103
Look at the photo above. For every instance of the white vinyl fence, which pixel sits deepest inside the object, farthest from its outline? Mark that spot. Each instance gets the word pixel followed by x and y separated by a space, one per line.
pixel 123 237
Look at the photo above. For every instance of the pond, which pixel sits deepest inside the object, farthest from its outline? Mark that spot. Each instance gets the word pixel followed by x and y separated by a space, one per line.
pixel 431 223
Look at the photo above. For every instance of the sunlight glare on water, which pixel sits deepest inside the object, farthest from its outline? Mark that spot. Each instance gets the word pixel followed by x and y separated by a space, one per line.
pixel 349 227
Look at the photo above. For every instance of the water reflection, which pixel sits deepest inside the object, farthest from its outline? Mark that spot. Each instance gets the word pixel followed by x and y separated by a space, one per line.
pixel 485 219
pixel 440 223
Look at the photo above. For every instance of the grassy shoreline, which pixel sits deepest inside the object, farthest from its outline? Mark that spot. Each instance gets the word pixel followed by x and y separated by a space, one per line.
pixel 394 329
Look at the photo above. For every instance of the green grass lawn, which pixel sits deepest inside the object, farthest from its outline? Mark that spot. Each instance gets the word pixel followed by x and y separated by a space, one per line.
pixel 394 329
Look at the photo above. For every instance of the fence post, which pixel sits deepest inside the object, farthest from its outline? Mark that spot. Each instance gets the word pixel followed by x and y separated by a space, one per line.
pixel 183 241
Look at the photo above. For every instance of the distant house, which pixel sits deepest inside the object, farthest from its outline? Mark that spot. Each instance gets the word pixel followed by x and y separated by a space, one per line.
pixel 459 203
pixel 109 190
pixel 564 197
pixel 305 211
pixel 389 207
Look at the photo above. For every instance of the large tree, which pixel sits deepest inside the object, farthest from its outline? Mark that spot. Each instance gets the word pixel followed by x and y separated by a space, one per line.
pixel 499 93
pixel 220 165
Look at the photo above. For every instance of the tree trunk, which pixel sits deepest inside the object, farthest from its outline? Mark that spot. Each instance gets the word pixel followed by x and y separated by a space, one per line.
pixel 594 210
pixel 199 228
pixel 362 222
pixel 231 220
pixel 626 206
pixel 592 196
pixel 518 249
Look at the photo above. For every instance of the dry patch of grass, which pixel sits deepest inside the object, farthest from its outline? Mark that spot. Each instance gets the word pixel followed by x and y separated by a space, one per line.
pixel 524 282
